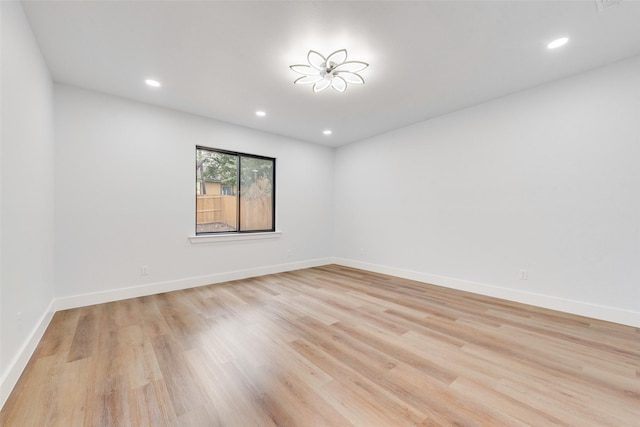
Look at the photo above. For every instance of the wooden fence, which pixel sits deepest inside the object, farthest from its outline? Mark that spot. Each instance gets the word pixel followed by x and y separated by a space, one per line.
pixel 256 212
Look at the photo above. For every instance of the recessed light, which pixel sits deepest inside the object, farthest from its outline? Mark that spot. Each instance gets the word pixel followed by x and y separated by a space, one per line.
pixel 152 83
pixel 261 113
pixel 327 132
pixel 558 42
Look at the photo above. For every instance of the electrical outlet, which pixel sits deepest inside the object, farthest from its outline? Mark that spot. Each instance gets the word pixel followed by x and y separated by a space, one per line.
pixel 144 270
pixel 524 274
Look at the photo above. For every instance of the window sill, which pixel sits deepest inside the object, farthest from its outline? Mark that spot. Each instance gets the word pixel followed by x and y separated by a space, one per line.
pixel 234 237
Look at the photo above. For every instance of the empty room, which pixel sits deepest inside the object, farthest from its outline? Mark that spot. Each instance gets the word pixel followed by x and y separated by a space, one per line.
pixel 320 213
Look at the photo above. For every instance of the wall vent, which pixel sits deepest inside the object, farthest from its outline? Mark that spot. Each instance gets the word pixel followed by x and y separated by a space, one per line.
pixel 604 4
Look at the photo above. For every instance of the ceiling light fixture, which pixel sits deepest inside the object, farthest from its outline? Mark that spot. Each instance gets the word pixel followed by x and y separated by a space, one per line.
pixel 152 83
pixel 558 42
pixel 327 132
pixel 334 71
pixel 261 113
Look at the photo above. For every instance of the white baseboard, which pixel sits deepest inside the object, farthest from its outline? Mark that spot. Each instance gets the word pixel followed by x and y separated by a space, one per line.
pixel 20 360
pixel 83 300
pixel 594 311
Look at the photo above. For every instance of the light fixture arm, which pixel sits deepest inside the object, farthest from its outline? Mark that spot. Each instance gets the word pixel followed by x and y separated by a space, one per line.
pixel 334 71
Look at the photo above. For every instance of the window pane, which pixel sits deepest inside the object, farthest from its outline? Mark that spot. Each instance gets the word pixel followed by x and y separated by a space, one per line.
pixel 256 194
pixel 216 191
pixel 234 192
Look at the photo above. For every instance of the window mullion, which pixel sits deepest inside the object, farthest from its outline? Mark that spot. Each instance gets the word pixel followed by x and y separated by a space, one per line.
pixel 239 186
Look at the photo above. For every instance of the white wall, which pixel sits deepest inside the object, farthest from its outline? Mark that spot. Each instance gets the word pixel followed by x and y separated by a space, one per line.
pixel 27 195
pixel 546 180
pixel 125 182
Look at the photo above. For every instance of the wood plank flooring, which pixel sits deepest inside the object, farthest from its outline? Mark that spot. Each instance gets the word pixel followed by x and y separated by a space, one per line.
pixel 327 346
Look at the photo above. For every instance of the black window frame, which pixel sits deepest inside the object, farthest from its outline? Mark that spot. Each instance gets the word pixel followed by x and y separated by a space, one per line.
pixel 238 195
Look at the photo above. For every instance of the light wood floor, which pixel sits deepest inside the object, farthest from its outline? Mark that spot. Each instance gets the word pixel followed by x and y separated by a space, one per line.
pixel 328 346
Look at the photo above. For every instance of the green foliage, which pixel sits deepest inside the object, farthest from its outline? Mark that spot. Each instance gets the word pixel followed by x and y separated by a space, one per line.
pixel 218 166
pixel 256 175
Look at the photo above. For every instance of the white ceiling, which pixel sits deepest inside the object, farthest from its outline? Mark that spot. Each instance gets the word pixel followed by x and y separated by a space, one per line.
pixel 227 59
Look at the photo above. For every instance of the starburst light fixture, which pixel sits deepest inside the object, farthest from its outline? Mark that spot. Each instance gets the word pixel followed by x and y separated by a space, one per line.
pixel 334 71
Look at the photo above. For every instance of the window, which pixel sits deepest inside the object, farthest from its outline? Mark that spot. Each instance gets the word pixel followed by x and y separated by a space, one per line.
pixel 235 192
